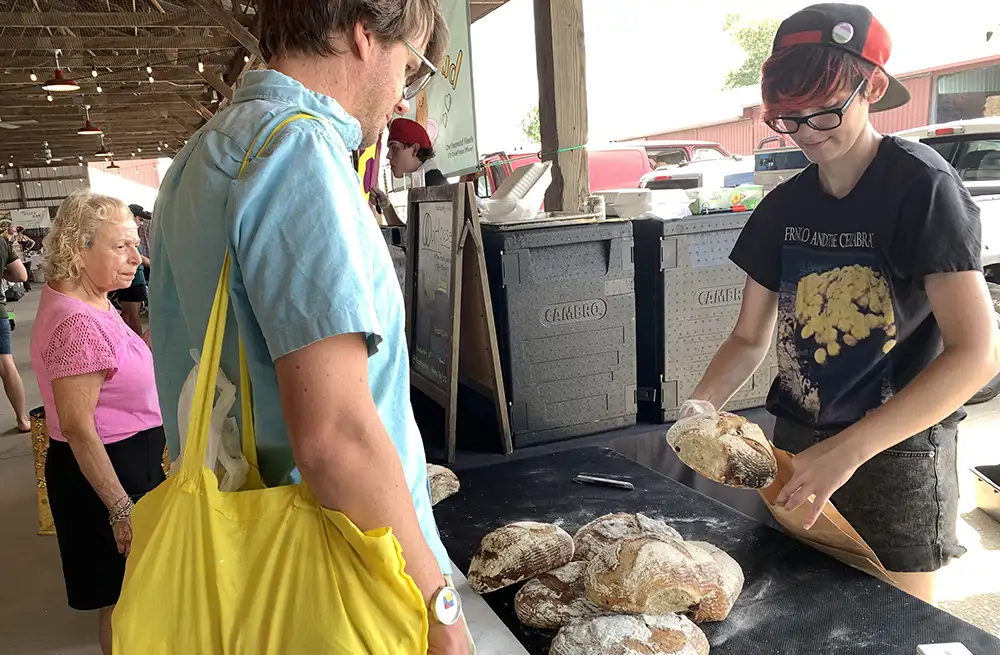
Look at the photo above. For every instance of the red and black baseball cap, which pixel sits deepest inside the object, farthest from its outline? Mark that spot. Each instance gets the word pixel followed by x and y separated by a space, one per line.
pixel 850 28
pixel 408 132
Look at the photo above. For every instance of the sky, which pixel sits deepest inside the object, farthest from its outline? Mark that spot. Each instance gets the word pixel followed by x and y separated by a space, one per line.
pixel 653 65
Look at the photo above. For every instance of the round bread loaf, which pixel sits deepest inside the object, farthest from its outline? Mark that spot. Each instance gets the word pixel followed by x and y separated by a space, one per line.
pixel 650 575
pixel 517 552
pixel 624 634
pixel 725 448
pixel 728 586
pixel 443 482
pixel 553 599
pixel 606 530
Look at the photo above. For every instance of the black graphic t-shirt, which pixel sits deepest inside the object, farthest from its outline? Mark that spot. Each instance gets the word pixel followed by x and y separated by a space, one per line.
pixel 854 322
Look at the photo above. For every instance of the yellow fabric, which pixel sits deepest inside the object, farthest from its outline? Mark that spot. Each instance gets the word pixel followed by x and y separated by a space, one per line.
pixel 260 571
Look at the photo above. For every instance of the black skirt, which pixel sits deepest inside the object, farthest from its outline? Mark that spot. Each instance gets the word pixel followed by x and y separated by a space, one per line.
pixel 92 567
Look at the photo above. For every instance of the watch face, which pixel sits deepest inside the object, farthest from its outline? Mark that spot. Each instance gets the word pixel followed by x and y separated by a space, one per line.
pixel 447 606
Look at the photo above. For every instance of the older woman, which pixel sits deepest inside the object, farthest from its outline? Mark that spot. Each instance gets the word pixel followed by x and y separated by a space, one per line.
pixel 96 380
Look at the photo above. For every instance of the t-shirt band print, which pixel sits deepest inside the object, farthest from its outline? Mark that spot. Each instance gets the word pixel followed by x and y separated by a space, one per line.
pixel 835 317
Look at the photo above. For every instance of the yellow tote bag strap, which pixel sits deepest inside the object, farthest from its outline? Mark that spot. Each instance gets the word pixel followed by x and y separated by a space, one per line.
pixel 211 356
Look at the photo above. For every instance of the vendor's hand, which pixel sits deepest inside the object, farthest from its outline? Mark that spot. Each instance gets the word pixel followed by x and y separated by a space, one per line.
pixel 448 639
pixel 695 407
pixel 378 195
pixel 123 535
pixel 818 471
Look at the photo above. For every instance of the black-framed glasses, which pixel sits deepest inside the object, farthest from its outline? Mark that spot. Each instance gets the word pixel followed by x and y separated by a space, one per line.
pixel 821 121
pixel 423 76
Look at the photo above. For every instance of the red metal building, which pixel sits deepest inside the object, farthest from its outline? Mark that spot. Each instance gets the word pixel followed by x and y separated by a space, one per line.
pixel 938 94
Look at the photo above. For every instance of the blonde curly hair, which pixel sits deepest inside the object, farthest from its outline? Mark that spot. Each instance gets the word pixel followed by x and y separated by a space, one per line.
pixel 77 221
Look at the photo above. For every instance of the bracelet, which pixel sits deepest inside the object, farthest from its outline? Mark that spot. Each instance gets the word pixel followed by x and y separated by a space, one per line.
pixel 124 500
pixel 122 512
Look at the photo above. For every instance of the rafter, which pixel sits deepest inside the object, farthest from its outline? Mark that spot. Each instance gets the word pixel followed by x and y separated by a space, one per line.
pixel 194 18
pixel 231 25
pixel 66 43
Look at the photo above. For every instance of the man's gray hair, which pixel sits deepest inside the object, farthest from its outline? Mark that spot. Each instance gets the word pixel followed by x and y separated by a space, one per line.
pixel 308 27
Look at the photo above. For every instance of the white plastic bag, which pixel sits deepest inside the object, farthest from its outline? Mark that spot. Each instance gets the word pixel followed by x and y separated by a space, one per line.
pixel 224 451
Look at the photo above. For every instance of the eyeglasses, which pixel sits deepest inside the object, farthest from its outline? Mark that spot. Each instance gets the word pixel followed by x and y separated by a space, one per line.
pixel 821 121
pixel 424 75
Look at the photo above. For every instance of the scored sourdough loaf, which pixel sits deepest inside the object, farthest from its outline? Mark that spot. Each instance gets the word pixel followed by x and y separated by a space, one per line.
pixel 518 551
pixel 624 634
pixel 553 599
pixel 650 575
pixel 725 448
pixel 606 530
pixel 443 482
pixel 717 605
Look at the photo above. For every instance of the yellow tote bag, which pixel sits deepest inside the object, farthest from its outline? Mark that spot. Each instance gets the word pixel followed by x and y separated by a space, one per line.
pixel 260 571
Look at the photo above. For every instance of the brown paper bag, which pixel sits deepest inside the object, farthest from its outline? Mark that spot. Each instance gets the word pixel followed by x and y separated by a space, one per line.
pixel 831 534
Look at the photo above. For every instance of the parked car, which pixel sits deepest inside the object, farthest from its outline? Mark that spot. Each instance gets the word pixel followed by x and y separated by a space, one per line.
pixel 706 173
pixel 676 152
pixel 614 166
pixel 776 160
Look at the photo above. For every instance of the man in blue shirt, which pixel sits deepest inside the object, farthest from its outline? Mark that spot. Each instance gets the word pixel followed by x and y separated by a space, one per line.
pixel 312 285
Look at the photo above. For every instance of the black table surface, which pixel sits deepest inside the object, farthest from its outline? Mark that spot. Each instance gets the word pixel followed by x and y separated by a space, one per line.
pixel 796 600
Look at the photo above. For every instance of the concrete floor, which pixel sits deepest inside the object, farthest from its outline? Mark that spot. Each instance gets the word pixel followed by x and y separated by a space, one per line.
pixel 36 621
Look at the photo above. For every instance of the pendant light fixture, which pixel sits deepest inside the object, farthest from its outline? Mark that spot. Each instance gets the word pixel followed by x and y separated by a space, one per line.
pixel 103 152
pixel 60 83
pixel 89 129
pixel 114 168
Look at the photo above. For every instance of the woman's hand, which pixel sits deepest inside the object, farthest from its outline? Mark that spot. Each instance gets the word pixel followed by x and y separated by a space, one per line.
pixel 819 471
pixel 123 535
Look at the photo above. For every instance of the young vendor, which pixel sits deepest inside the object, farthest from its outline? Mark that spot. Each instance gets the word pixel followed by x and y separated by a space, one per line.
pixel 868 261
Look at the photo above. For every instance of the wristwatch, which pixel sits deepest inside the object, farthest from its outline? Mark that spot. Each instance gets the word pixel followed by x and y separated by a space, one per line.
pixel 446 605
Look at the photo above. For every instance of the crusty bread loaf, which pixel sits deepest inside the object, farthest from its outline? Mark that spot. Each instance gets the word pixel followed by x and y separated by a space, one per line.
pixel 606 530
pixel 443 482
pixel 650 575
pixel 725 448
pixel 553 599
pixel 517 552
pixel 728 586
pixel 623 634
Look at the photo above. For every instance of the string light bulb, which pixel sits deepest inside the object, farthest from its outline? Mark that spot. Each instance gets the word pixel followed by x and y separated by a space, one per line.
pixel 48 97
pixel 138 149
pixel 99 89
pixel 201 65
pixel 149 69
pixel 33 77
pixel 151 80
pixel 93 71
pixel 246 59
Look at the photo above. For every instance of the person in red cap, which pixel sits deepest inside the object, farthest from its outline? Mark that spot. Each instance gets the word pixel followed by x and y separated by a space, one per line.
pixel 409 149
pixel 868 262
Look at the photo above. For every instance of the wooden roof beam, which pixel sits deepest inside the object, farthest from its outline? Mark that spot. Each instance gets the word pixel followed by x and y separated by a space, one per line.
pixel 194 18
pixel 231 25
pixel 68 43
pixel 198 107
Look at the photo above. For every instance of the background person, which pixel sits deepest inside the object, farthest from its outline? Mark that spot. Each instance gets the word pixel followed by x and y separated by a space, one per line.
pixel 131 298
pixel 97 385
pixel 868 261
pixel 13 271
pixel 408 150
pixel 312 285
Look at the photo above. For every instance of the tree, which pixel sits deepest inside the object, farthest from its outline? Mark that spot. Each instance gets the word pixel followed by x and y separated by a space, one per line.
pixel 531 126
pixel 755 38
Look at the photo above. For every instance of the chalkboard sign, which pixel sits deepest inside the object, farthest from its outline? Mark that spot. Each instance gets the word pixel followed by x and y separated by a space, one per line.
pixel 444 247
pixel 431 354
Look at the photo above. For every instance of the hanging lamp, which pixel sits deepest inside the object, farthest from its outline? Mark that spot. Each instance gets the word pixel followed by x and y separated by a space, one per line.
pixel 103 152
pixel 59 82
pixel 89 129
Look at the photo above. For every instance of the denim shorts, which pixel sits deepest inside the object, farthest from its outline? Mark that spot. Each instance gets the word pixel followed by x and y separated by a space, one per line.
pixel 5 345
pixel 904 501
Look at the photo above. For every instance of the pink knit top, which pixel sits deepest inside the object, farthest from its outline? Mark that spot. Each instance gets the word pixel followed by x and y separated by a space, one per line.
pixel 72 338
